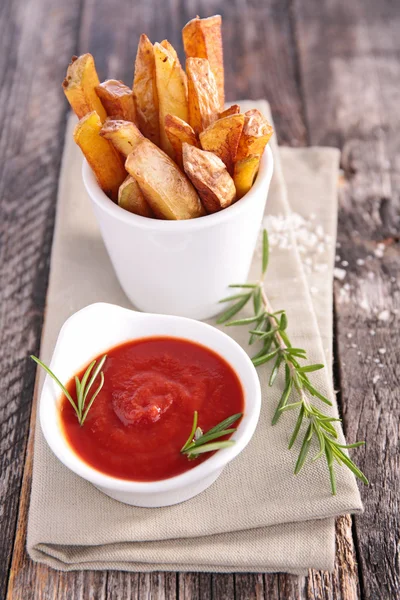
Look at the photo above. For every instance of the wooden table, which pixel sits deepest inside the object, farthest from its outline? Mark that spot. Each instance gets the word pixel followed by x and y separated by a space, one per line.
pixel 331 71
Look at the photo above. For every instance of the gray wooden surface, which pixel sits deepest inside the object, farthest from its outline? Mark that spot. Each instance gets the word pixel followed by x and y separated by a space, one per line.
pixel 331 71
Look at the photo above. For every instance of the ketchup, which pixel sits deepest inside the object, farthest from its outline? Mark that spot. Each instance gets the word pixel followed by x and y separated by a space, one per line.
pixel 143 415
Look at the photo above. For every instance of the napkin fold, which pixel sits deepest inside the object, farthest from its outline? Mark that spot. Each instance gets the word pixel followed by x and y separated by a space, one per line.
pixel 257 516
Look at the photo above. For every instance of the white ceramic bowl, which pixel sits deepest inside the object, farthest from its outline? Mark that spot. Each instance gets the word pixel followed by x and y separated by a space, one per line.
pixel 181 267
pixel 97 328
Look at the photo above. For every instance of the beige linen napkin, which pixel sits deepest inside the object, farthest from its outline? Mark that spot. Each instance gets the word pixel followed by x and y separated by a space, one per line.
pixel 257 516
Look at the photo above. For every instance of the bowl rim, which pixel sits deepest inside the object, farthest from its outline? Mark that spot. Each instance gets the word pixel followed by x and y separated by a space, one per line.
pixel 231 212
pixel 66 454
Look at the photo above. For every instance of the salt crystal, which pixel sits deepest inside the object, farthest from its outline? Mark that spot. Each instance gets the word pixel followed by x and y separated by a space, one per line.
pixel 359 352
pixel 349 335
pixel 381 366
pixel 338 244
pixel 372 332
pixel 371 275
pixel 384 315
pixel 377 361
pixel 347 286
pixel 382 350
pixel 339 273
pixel 360 262
pixel 375 378
pixel 393 279
pixel 379 250
pixel 344 263
pixel 354 345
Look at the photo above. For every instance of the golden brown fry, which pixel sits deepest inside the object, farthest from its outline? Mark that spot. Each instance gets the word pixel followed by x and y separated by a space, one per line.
pixel 130 198
pixel 167 190
pixel 245 173
pixel 210 177
pixel 145 90
pixel 79 87
pixel 255 136
pixel 117 99
pixel 202 94
pixel 231 110
pixel 103 158
pixel 178 132
pixel 171 89
pixel 124 135
pixel 222 138
pixel 202 39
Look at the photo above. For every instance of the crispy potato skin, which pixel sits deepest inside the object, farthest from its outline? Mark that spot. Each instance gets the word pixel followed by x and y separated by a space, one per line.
pixel 255 135
pixel 171 89
pixel 202 39
pixel 210 177
pixel 104 160
pixel 178 132
pixel 80 87
pixel 145 90
pixel 166 189
pixel 124 135
pixel 130 198
pixel 245 173
pixel 117 99
pixel 222 138
pixel 202 94
pixel 231 110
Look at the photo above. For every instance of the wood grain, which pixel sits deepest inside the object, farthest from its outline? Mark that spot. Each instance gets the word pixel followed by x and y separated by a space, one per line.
pixel 32 119
pixel 330 71
pixel 358 61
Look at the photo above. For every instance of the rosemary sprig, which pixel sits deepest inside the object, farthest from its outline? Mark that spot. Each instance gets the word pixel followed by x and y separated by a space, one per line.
pixel 83 386
pixel 270 328
pixel 199 442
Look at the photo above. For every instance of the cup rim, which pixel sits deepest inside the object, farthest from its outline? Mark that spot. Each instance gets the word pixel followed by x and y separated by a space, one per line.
pixel 66 454
pixel 231 212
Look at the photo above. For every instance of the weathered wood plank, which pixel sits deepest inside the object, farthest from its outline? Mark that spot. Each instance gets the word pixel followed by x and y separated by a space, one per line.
pixel 350 68
pixel 32 119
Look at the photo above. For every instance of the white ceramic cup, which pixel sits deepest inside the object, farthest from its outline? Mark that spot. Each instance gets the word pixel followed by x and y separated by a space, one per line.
pixel 91 332
pixel 181 267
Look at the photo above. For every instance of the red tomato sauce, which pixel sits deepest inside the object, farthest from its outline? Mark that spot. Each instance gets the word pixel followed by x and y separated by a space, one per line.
pixel 144 413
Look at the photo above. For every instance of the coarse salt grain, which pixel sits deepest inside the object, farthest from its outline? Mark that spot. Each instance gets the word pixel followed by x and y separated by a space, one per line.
pixel 360 262
pixel 344 263
pixel 349 335
pixel 376 378
pixel 382 350
pixel 339 273
pixel 384 315
pixel 377 361
pixel 371 332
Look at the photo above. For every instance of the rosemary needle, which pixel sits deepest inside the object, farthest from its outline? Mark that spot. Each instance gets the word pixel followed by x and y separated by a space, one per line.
pixel 83 386
pixel 270 328
pixel 200 443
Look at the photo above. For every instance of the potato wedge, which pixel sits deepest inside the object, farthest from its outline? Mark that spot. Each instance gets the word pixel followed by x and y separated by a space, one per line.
pixel 255 135
pixel 124 135
pixel 202 39
pixel 202 94
pixel 210 177
pixel 222 138
pixel 80 87
pixel 167 190
pixel 178 132
pixel 231 110
pixel 245 173
pixel 145 90
pixel 171 89
pixel 117 99
pixel 130 198
pixel 103 158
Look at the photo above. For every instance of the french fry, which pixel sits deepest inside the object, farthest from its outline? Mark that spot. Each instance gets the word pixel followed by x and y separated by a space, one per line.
pixel 202 39
pixel 130 198
pixel 103 158
pixel 231 110
pixel 171 90
pixel 245 173
pixel 178 132
pixel 145 90
pixel 202 94
pixel 166 189
pixel 124 135
pixel 80 87
pixel 255 135
pixel 222 138
pixel 210 177
pixel 117 99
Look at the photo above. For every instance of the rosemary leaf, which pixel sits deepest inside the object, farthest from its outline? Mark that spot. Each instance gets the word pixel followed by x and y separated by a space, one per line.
pixel 210 447
pixel 304 450
pixel 297 427
pixel 257 301
pixel 275 370
pixel 282 401
pixel 228 314
pixel 193 431
pixel 58 382
pixel 234 297
pixel 242 321
pixel 264 358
